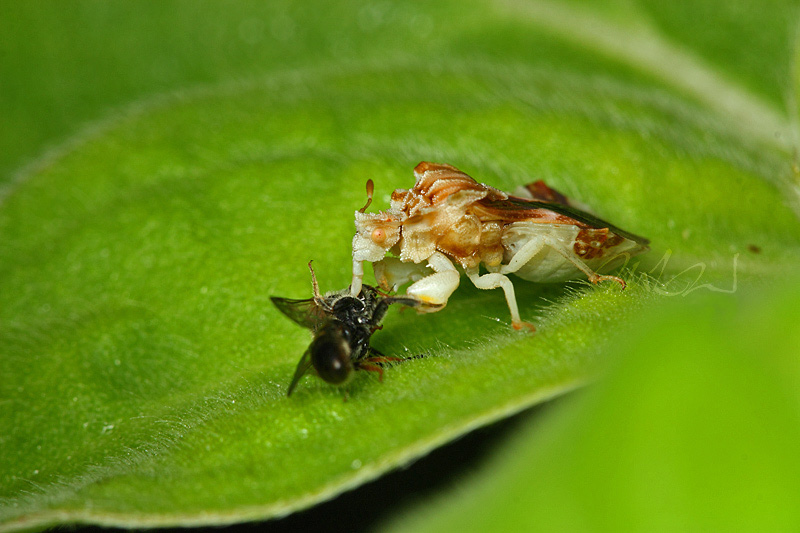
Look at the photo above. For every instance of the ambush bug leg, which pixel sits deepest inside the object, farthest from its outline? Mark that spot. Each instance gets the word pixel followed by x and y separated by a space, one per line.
pixel 494 280
pixel 598 278
pixel 524 255
pixel 358 266
pixel 520 325
pixel 391 273
pixel 534 246
pixel 358 277
pixel 434 290
pixel 593 276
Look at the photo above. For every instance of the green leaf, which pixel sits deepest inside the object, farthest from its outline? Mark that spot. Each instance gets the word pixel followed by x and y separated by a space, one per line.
pixel 696 427
pixel 144 369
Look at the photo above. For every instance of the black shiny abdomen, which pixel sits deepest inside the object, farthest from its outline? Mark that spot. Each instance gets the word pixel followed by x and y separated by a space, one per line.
pixel 330 354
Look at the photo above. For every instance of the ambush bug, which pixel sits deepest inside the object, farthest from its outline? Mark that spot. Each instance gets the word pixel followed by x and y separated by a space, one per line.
pixel 342 324
pixel 449 219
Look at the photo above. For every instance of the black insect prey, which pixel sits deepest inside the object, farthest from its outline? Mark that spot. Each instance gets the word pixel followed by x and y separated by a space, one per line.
pixel 342 325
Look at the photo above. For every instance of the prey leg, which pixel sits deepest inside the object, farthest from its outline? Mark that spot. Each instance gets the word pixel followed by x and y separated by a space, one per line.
pixel 372 367
pixel 493 280
pixel 379 358
pixel 374 363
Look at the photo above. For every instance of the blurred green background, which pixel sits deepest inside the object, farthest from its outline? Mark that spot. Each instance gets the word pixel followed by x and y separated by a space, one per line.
pixel 674 119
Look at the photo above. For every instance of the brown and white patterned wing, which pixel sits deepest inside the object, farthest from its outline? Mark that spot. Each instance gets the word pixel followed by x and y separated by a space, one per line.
pixel 515 209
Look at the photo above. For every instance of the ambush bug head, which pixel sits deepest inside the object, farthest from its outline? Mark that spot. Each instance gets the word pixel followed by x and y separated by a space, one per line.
pixel 375 234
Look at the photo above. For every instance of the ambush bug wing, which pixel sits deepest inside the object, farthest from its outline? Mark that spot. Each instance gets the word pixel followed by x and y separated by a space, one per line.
pixel 516 209
pixel 302 367
pixel 539 191
pixel 306 313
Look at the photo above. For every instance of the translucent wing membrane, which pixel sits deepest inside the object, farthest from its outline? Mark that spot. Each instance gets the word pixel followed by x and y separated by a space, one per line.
pixel 302 367
pixel 306 312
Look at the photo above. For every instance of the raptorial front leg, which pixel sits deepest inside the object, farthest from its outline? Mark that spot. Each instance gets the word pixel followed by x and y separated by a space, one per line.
pixel 434 290
pixel 358 278
pixel 391 273
pixel 492 281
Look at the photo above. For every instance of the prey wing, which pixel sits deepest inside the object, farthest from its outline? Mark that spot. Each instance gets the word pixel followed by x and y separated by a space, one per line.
pixel 302 367
pixel 306 312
